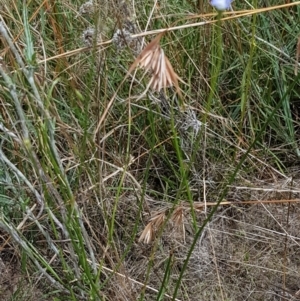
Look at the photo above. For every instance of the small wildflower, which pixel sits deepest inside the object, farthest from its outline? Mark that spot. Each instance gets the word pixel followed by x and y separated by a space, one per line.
pixel 221 4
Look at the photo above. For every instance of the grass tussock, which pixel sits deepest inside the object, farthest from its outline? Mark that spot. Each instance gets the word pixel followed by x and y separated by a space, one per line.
pixel 188 190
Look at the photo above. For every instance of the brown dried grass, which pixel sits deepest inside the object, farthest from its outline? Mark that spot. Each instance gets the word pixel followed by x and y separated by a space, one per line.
pixel 154 60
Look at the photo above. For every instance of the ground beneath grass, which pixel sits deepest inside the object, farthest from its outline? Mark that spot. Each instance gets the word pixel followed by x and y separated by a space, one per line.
pixel 247 252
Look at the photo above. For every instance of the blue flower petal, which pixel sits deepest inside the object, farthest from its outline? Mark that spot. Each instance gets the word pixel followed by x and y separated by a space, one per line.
pixel 221 4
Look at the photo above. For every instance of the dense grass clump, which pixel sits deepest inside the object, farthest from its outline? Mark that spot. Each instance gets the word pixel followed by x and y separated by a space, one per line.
pixel 149 151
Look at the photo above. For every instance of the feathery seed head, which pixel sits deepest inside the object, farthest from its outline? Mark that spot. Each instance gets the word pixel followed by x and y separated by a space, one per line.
pixel 154 60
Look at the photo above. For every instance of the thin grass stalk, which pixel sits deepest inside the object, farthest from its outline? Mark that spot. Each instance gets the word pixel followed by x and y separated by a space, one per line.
pixel 88 243
pixel 117 198
pixel 216 66
pixel 165 281
pixel 84 262
pixel 184 184
pixel 282 83
pixel 246 80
